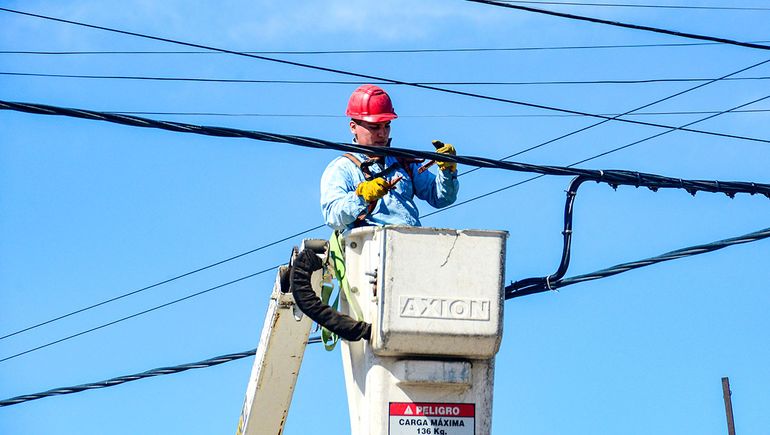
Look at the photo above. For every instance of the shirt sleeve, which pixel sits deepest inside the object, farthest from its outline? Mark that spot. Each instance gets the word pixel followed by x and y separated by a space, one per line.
pixel 438 190
pixel 340 205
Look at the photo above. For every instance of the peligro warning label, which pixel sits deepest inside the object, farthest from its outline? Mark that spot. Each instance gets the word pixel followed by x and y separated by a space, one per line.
pixel 408 418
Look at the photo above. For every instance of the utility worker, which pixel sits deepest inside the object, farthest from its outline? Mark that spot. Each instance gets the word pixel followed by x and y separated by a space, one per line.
pixel 358 191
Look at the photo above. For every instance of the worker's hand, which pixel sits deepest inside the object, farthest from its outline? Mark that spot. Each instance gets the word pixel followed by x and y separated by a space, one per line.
pixel 443 148
pixel 372 190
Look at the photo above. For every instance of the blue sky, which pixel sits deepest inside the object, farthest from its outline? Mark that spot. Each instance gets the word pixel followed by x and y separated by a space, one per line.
pixel 91 210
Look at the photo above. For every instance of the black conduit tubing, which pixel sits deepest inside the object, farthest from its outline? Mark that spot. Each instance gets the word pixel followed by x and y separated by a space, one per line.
pixel 303 265
pixel 539 284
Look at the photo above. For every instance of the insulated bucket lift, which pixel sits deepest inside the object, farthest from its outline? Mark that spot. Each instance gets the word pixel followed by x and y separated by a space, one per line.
pixel 434 298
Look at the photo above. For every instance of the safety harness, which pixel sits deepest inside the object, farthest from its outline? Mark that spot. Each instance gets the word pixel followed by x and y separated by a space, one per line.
pixel 365 167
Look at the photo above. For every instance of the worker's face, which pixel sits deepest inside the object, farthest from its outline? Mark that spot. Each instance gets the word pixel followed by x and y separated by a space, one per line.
pixel 371 133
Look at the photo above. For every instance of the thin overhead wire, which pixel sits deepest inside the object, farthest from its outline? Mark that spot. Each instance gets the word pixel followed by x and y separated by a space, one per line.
pixel 338 71
pixel 638 5
pixel 625 25
pixel 159 283
pixel 122 319
pixel 136 121
pixel 660 100
pixel 385 51
pixel 211 362
pixel 445 115
pixel 349 82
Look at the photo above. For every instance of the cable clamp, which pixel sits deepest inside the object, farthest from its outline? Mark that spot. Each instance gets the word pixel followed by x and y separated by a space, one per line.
pixel 548 284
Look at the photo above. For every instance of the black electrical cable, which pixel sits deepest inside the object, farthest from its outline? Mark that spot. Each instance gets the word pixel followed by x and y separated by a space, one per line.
pixel 128 378
pixel 393 51
pixel 625 267
pixel 673 255
pixel 624 25
pixel 342 82
pixel 348 73
pixel 104 325
pixel 614 178
pixel 159 283
pixel 609 176
pixel 317 227
pixel 722 78
pixel 727 76
pixel 596 156
pixel 636 5
pixel 161 371
pixel 135 121
pixel 539 284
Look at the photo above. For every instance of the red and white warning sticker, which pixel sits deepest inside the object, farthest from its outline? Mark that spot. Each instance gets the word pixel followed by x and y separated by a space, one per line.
pixel 408 418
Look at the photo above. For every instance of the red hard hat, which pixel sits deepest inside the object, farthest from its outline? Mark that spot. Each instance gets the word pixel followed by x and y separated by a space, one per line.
pixel 371 104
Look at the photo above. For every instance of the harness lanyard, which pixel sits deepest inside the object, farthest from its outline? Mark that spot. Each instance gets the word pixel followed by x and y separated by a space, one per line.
pixel 337 266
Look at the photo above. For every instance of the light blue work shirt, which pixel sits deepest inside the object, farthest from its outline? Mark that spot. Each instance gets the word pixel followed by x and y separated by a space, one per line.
pixel 341 205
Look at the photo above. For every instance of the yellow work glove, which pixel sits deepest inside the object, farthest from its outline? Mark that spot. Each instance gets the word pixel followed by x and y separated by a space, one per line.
pixel 372 190
pixel 443 148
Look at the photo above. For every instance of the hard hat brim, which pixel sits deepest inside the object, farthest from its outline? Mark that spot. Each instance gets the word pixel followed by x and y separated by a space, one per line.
pixel 382 117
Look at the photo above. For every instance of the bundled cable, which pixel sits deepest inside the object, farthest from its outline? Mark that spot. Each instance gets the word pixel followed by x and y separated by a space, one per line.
pixel 612 177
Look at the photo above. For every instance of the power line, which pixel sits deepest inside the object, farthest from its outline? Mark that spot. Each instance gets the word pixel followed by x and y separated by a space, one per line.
pixel 129 378
pixel 625 267
pixel 621 268
pixel 104 325
pixel 636 5
pixel 382 51
pixel 596 156
pixel 136 121
pixel 541 144
pixel 161 371
pixel 348 82
pixel 317 227
pixel 446 115
pixel 537 285
pixel 625 25
pixel 609 176
pixel 660 100
pixel 727 76
pixel 619 176
pixel 343 72
pixel 614 178
pixel 159 283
